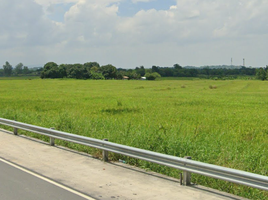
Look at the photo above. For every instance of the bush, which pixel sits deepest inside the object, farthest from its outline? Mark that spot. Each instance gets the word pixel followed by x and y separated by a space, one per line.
pixel 152 76
pixel 97 76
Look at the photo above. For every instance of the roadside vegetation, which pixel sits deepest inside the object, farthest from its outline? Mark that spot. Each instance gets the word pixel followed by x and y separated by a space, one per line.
pixel 218 122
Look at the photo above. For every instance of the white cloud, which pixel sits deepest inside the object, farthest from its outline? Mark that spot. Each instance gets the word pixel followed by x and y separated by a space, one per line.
pixel 95 22
pixel 22 23
pixel 93 27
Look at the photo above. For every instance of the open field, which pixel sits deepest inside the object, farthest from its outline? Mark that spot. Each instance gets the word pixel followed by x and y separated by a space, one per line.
pixel 217 122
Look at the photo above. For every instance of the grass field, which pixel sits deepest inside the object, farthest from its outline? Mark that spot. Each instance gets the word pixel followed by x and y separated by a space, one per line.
pixel 217 122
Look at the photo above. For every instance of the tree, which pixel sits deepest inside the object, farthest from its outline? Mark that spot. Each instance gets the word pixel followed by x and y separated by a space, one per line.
pixel 50 65
pixel 95 69
pixel 134 75
pixel 166 71
pixel 177 70
pixel 89 65
pixel 51 70
pixel 78 71
pixel 7 69
pixel 177 66
pixel 96 76
pixel 25 70
pixel 155 69
pixel 1 72
pixel 18 69
pixel 152 76
pixel 109 71
pixel 140 70
pixel 262 73
pixel 62 71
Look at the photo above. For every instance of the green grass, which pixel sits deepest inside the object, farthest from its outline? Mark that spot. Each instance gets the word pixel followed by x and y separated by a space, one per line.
pixel 225 125
pixel 28 77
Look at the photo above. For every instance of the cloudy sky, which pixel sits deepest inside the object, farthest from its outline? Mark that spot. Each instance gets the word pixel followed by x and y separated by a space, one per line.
pixel 130 33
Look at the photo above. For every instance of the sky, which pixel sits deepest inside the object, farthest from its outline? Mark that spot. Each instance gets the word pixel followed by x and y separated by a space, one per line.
pixel 132 33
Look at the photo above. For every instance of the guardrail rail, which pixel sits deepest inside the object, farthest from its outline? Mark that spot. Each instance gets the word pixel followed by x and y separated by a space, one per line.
pixel 187 165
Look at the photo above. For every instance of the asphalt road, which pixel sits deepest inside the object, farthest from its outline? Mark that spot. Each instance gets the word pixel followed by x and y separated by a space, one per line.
pixel 18 184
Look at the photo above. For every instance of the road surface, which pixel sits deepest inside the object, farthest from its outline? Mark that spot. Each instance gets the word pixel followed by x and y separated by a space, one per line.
pixel 20 184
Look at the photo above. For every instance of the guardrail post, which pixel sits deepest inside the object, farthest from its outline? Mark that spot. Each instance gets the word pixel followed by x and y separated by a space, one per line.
pixel 51 139
pixel 15 130
pixel 105 153
pixel 187 175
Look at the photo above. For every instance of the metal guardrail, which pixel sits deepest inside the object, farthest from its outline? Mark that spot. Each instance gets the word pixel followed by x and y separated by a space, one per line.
pixel 188 166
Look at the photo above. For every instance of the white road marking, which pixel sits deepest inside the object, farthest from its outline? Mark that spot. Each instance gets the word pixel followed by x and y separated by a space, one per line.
pixel 47 180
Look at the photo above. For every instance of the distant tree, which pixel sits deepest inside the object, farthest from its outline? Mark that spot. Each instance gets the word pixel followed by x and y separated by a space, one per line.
pixel 51 70
pixel 206 70
pixel 108 71
pixel 7 69
pixel 152 76
pixel 178 71
pixel 89 65
pixel 96 76
pixel 25 70
pixel 50 65
pixel 78 71
pixel 155 69
pixel 62 71
pixel 19 68
pixel 193 72
pixel 140 70
pixel 262 73
pixel 167 71
pixel 177 66
pixel 134 75
pixel 95 69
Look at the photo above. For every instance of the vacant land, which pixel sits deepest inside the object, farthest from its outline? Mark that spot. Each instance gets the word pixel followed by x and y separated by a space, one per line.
pixel 217 122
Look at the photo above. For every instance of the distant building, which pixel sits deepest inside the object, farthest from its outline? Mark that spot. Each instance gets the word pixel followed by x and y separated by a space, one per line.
pixel 143 78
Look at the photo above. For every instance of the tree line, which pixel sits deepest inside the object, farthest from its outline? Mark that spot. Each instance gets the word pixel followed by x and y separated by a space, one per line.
pixel 220 72
pixel 92 70
pixel 18 70
pixel 203 72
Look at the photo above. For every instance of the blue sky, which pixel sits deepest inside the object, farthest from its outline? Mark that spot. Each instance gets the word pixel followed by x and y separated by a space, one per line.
pixel 128 8
pixel 164 32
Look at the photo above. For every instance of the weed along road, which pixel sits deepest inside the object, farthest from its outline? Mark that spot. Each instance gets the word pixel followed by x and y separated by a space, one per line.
pixel 87 177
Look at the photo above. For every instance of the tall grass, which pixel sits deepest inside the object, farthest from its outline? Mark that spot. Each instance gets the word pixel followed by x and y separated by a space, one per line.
pixel 225 126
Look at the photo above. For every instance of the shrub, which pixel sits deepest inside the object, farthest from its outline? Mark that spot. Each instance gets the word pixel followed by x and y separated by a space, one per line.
pixel 152 76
